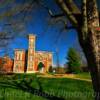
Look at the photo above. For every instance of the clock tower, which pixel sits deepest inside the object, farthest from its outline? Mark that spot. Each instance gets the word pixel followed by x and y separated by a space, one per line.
pixel 31 54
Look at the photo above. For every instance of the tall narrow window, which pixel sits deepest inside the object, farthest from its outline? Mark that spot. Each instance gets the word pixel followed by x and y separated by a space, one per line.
pixel 31 58
pixel 20 56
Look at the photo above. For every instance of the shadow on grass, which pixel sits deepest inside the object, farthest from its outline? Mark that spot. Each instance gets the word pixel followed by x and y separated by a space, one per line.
pixel 25 85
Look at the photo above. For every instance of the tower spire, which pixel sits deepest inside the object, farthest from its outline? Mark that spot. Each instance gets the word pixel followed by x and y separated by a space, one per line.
pixel 31 53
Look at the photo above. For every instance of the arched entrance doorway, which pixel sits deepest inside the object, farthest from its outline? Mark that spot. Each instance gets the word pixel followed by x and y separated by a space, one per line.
pixel 41 67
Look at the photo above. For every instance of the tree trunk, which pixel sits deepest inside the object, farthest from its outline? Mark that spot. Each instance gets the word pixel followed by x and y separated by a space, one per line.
pixel 94 71
pixel 91 50
pixel 89 38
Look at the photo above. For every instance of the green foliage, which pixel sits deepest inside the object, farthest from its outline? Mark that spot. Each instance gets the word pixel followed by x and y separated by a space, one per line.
pixel 74 61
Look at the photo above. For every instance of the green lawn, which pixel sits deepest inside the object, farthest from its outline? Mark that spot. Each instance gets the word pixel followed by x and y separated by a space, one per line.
pixel 84 75
pixel 29 87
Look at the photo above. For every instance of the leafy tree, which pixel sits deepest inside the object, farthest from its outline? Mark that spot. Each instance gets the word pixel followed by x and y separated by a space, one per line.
pixel 74 62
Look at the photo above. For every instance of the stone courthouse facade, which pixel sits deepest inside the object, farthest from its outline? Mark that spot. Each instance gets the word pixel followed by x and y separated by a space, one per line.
pixel 31 61
pixel 6 64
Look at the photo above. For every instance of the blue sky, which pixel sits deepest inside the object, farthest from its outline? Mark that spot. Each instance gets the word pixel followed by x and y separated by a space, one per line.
pixel 46 36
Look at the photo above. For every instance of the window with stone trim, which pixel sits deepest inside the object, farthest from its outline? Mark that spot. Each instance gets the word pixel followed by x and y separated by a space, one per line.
pixel 19 56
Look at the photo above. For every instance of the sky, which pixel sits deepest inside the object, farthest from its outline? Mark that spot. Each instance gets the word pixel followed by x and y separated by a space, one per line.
pixel 47 36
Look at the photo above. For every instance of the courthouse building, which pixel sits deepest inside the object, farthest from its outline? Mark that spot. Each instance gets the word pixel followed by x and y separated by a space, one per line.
pixel 30 60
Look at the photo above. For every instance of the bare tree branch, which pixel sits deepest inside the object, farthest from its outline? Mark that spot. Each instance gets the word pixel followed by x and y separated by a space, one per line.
pixel 73 7
pixel 84 19
pixel 55 15
pixel 67 12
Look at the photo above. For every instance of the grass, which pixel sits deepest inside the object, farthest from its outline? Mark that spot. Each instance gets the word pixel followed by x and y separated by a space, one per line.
pixel 23 85
pixel 83 75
